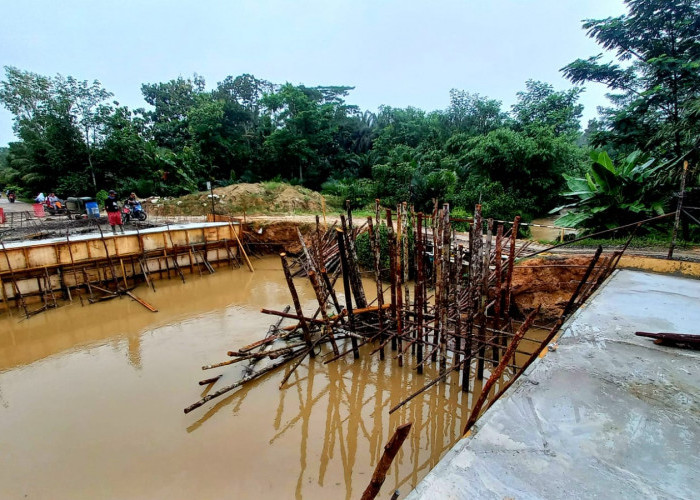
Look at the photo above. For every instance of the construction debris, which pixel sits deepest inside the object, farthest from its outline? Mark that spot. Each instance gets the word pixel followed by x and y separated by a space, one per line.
pixel 450 302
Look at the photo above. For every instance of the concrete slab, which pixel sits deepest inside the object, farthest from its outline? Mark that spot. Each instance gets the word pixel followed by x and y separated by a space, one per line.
pixel 95 235
pixel 608 414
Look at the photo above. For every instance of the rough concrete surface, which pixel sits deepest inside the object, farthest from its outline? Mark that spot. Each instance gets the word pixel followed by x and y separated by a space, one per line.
pixel 606 415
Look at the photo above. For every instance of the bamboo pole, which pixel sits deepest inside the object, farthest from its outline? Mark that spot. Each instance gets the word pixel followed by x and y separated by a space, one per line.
pixel 240 247
pixel 244 380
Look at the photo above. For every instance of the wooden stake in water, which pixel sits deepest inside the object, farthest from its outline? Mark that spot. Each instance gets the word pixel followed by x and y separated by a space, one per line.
pixel 390 451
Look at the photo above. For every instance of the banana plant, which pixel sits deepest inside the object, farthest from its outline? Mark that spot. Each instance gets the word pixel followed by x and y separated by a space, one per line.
pixel 613 195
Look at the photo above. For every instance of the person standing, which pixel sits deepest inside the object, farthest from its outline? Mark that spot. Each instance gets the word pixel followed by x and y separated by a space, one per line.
pixel 114 217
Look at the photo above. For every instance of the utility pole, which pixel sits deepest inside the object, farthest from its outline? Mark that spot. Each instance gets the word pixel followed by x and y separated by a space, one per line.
pixel 679 207
pixel 211 195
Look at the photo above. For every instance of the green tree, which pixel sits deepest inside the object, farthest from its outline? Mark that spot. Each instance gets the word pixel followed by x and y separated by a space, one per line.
pixel 655 81
pixel 541 106
pixel 171 103
pixel 472 114
pixel 528 166
pixel 306 124
pixel 59 121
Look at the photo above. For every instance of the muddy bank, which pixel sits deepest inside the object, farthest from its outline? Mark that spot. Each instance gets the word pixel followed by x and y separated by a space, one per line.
pixel 547 281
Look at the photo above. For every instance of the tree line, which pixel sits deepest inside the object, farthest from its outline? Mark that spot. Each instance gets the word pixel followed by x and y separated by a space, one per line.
pixel 75 139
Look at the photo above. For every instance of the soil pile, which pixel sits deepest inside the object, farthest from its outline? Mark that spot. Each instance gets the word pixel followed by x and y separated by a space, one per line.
pixel 236 199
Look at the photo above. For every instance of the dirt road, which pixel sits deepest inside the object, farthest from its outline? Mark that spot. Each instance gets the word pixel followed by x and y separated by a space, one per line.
pixel 17 206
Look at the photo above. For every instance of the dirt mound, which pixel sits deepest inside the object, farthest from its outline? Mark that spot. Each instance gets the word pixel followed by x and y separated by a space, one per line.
pixel 235 199
pixel 549 281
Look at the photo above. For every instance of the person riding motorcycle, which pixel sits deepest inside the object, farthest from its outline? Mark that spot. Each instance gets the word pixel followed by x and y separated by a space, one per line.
pixel 132 200
pixel 134 211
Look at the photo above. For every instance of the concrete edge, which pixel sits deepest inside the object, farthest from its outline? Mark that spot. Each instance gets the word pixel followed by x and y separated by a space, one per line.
pixel 464 441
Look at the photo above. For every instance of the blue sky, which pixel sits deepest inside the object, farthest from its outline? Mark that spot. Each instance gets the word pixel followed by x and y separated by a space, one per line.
pixel 398 53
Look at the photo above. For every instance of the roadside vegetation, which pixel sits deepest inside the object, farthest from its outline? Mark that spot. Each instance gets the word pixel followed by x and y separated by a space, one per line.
pixel 75 139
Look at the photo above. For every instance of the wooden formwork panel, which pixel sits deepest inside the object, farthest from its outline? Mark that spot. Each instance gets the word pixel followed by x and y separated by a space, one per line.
pixel 177 238
pixel 41 256
pixel 65 253
pixel 197 236
pixel 16 257
pixel 153 241
pixel 126 245
pixel 78 249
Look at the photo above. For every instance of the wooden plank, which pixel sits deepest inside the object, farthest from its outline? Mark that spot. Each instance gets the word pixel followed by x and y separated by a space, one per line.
pixel 142 302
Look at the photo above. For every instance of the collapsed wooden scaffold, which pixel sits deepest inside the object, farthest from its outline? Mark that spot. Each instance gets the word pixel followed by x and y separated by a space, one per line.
pixel 448 303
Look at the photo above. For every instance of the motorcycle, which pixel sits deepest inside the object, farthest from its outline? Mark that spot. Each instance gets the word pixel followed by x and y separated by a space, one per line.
pixel 11 196
pixel 133 211
pixel 56 209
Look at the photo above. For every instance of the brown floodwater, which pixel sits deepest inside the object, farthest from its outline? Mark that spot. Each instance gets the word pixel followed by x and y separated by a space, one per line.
pixel 91 402
pixel 549 233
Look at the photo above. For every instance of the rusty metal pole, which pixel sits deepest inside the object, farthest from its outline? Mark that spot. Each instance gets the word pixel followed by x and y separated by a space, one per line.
pixel 346 288
pixel 511 264
pixel 376 251
pixel 297 305
pixel 392 272
pixel 476 281
pixel 419 291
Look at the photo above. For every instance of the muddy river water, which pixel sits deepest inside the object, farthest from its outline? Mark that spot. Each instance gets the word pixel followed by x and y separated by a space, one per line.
pixel 91 402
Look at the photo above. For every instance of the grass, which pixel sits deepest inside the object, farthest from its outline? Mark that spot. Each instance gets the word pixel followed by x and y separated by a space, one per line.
pixel 647 241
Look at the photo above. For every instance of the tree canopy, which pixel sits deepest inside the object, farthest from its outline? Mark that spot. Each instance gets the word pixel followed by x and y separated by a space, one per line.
pixel 654 79
pixel 73 138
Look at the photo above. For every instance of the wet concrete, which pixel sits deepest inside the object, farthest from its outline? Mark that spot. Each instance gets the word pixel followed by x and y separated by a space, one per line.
pixel 91 403
pixel 607 415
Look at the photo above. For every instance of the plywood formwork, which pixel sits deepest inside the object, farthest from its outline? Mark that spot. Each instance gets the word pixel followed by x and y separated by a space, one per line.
pixel 39 268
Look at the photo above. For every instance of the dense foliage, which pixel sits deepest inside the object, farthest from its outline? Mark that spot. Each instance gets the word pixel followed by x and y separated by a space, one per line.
pixel 611 195
pixel 655 81
pixel 73 138
pixel 655 97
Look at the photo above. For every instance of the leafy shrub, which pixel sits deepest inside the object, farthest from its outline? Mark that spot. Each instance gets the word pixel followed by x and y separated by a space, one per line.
pixel 101 196
pixel 614 195
pixel 365 256
pixel 360 192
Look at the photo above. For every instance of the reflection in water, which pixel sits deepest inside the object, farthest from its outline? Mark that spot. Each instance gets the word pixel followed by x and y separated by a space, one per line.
pixel 340 411
pixel 91 403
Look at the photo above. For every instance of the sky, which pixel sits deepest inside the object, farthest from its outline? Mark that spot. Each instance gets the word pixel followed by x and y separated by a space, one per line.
pixel 396 53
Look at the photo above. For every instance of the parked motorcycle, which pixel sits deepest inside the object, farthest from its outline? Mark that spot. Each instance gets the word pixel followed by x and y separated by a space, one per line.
pixel 133 211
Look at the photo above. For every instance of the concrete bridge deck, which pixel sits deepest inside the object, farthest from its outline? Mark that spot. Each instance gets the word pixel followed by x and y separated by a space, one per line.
pixel 606 415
